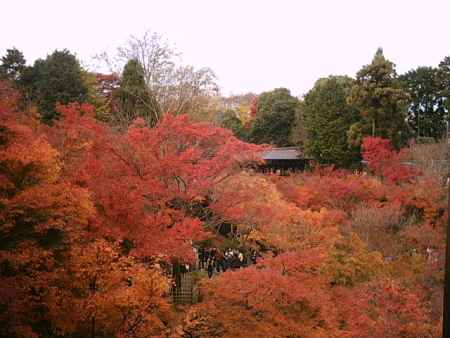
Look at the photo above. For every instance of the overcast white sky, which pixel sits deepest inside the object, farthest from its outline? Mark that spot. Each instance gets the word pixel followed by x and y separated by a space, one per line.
pixel 251 45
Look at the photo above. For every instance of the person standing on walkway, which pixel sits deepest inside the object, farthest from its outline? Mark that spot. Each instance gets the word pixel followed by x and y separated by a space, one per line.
pixel 210 270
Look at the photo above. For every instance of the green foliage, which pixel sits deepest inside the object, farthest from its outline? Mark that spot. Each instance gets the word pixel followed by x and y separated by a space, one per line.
pixel 298 131
pixel 444 80
pixel 327 117
pixel 12 64
pixel 232 122
pixel 381 101
pixel 93 97
pixel 427 114
pixel 274 118
pixel 57 79
pixel 355 134
pixel 133 97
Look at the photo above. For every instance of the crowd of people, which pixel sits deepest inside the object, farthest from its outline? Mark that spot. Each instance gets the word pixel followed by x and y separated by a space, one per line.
pixel 213 260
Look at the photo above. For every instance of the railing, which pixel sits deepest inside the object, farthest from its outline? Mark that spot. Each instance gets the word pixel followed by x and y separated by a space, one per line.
pixel 182 293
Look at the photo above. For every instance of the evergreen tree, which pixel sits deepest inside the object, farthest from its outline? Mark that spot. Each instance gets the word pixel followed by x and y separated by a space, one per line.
pixel 57 79
pixel 381 101
pixel 12 65
pixel 427 114
pixel 232 122
pixel 298 132
pixel 444 80
pixel 327 117
pixel 133 97
pixel 275 118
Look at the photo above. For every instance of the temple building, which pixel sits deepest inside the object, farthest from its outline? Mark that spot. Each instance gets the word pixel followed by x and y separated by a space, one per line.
pixel 283 160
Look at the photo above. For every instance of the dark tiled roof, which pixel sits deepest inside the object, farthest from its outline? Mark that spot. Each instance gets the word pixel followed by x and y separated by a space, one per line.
pixel 289 153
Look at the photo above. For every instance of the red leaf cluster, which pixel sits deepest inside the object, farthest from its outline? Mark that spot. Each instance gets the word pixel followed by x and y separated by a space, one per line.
pixel 383 160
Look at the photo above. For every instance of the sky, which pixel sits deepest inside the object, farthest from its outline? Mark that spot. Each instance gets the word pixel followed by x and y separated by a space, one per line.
pixel 252 46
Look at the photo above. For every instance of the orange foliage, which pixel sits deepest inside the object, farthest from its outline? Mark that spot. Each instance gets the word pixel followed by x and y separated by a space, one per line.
pixel 136 176
pixel 254 203
pixel 310 216
pixel 37 208
pixel 333 189
pixel 283 296
pixel 109 294
pixel 385 309
pixel 73 193
pixel 9 100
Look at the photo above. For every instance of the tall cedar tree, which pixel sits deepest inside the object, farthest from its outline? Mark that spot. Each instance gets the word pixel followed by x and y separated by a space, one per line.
pixel 327 117
pixel 427 114
pixel 133 97
pixel 381 101
pixel 57 79
pixel 274 118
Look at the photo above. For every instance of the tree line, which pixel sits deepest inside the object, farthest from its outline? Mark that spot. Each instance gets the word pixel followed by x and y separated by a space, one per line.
pixel 330 121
